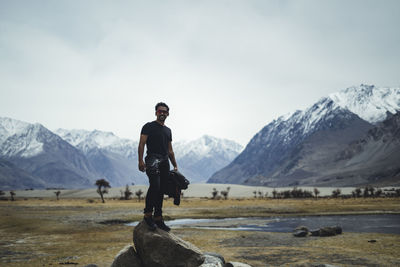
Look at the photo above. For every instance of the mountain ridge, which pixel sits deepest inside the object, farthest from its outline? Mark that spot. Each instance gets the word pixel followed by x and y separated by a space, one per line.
pixel 273 155
pixel 197 159
pixel 41 153
pixel 294 149
pixel 75 158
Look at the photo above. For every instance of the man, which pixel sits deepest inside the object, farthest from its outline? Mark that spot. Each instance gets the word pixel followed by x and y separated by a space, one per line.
pixel 157 137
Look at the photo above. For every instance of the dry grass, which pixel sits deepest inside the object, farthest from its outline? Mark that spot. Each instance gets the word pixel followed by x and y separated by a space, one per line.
pixel 44 232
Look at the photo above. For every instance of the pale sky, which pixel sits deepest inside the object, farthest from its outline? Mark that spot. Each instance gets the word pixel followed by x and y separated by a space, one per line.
pixel 225 68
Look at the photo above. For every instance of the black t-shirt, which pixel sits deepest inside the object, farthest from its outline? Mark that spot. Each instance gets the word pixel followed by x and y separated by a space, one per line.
pixel 158 137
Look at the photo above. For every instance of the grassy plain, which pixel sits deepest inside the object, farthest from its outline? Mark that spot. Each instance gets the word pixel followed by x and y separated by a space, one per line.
pixel 77 232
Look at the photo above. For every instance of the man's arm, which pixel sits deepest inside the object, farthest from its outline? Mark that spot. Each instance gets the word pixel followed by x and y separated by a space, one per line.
pixel 142 142
pixel 171 156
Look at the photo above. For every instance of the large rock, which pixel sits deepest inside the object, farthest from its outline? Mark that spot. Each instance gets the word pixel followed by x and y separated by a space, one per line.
pixel 302 228
pixel 330 231
pixel 213 260
pixel 237 264
pixel 162 249
pixel 127 257
pixel 338 230
pixel 300 233
pixel 314 232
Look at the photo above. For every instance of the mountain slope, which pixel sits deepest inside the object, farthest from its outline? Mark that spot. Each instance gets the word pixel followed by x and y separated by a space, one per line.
pixel 87 140
pixel 113 157
pixel 291 149
pixel 116 158
pixel 277 144
pixel 43 154
pixel 12 177
pixel 200 158
pixel 374 159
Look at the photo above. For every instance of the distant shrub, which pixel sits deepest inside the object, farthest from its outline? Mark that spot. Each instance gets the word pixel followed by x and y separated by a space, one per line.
pixel 316 192
pixel 378 192
pixel 214 193
pixel 12 194
pixel 225 193
pixel 57 194
pixel 336 193
pixel 358 192
pixel 126 195
pixel 102 187
pixel 274 193
pixel 139 194
pixel 294 193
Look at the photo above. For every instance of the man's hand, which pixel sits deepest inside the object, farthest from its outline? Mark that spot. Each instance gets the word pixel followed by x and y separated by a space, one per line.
pixel 142 142
pixel 142 166
pixel 176 168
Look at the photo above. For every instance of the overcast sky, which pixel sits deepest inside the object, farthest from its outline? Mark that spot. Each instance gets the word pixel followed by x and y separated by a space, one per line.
pixel 225 68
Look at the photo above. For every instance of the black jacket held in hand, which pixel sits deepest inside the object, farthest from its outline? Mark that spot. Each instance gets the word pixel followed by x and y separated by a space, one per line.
pixel 176 183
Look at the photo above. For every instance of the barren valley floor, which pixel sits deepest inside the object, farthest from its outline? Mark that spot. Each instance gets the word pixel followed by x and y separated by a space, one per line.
pixel 77 232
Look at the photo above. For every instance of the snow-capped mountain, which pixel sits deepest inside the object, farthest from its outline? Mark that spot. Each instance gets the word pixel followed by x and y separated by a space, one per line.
pixel 43 154
pixel 200 158
pixel 88 140
pixel 113 157
pixel 116 158
pixel 11 143
pixel 207 145
pixel 347 138
pixel 299 145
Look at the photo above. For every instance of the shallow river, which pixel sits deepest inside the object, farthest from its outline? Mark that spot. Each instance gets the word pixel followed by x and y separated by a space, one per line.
pixel 385 223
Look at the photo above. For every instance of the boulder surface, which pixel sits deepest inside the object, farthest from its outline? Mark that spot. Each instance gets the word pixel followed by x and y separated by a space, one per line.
pixel 330 231
pixel 127 257
pixel 213 260
pixel 162 249
pixel 237 264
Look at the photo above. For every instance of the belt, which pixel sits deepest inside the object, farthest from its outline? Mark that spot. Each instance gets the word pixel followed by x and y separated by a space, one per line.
pixel 159 156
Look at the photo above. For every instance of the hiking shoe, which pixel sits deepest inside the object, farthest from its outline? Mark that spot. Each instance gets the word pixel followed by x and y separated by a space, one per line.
pixel 150 223
pixel 160 224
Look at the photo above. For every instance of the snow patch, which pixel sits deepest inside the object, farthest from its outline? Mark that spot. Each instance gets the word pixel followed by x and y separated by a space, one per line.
pixel 19 138
pixel 369 102
pixel 207 146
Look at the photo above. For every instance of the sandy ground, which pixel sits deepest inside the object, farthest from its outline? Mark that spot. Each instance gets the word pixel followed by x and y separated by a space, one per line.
pixel 194 190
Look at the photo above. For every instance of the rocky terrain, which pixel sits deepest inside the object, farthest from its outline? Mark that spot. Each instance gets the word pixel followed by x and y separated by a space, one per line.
pixel 163 249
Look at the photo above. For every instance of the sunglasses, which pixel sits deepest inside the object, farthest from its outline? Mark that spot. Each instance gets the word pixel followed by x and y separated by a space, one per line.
pixel 162 112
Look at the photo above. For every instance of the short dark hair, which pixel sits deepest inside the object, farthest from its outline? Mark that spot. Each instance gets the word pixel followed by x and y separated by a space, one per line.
pixel 162 104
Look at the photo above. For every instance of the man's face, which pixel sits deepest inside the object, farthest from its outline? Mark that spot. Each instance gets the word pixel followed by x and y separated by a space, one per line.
pixel 162 113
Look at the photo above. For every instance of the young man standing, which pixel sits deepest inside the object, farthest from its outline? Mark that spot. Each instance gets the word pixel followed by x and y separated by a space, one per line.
pixel 157 137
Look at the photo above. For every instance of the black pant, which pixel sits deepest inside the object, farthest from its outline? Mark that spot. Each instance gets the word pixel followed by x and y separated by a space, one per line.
pixel 157 169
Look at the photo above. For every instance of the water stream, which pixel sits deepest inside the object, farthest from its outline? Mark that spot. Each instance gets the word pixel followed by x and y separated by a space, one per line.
pixel 383 223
